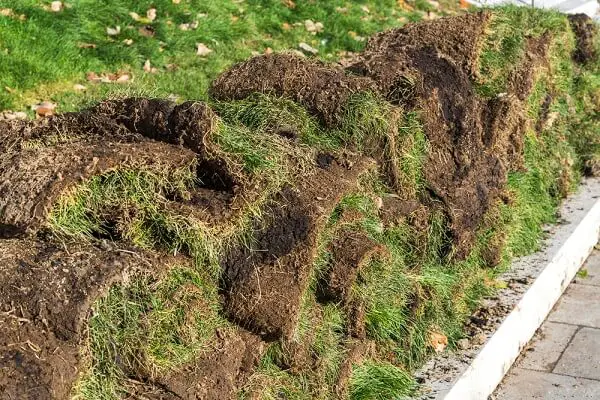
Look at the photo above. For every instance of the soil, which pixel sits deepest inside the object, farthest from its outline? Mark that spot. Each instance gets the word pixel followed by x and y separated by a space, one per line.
pixel 264 281
pixel 45 299
pixel 216 375
pixel 350 251
pixel 585 30
pixel 34 364
pixel 31 180
pixel 459 38
pixel 323 89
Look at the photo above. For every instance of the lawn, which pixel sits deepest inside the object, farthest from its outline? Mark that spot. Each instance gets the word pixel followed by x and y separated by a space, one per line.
pixel 45 53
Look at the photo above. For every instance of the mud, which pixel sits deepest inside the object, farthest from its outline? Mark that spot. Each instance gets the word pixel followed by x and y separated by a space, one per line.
pixel 264 281
pixel 585 32
pixel 323 89
pixel 45 299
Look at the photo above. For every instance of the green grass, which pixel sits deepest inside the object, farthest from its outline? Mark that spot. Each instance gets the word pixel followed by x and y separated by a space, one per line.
pixel 371 381
pixel 232 29
pixel 148 326
pixel 504 47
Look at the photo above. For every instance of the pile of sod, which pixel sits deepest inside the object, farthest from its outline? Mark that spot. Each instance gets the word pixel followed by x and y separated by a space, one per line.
pixel 418 275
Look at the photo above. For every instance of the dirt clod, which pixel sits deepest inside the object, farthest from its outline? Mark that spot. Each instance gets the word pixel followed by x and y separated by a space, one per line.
pixel 585 31
pixel 322 89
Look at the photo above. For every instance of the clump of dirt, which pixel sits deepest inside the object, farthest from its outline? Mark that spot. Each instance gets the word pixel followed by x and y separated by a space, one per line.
pixel 458 37
pixel 350 251
pixel 216 375
pixel 522 79
pixel 31 180
pixel 264 281
pixel 45 298
pixel 473 143
pixel 323 89
pixel 188 124
pixel 585 31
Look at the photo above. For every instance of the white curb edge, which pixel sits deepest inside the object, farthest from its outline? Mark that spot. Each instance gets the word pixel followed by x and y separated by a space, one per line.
pixel 495 359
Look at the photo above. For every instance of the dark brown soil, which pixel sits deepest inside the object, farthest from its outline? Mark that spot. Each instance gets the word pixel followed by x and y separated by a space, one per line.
pixel 216 375
pixel 459 38
pixel 265 280
pixel 323 89
pixel 350 251
pixel 32 179
pixel 585 30
pixel 45 297
pixel 34 364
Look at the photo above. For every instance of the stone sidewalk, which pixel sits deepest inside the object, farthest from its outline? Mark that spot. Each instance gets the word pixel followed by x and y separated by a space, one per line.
pixel 563 360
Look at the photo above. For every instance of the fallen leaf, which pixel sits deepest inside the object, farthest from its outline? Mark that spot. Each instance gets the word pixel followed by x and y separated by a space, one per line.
pixel 307 48
pixel 78 87
pixel 147 31
pixel 172 67
pixel 151 14
pixel 128 42
pixel 234 18
pixel 9 89
pixel 44 109
pixel 365 9
pixel 285 26
pixel 356 36
pixel 404 5
pixel 135 16
pixel 438 341
pixel 6 12
pixel 176 1
pixel 188 26
pixel 83 45
pixel 8 115
pixel 119 77
pixel 341 10
pixel 149 68
pixel 202 49
pixel 92 76
pixel 123 78
pixel 289 4
pixel 113 31
pixel 313 27
pixel 173 97
pixel 268 50
pixel 56 6
pixel 11 116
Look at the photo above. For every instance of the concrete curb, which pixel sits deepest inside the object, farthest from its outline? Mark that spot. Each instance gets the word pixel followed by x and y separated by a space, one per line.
pixel 495 359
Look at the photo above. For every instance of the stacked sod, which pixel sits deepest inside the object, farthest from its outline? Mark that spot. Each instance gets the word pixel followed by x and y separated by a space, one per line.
pixel 307 232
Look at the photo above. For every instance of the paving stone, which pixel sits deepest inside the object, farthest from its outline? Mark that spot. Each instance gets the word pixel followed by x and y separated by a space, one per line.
pixel 524 384
pixel 579 305
pixel 547 348
pixel 592 266
pixel 582 357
